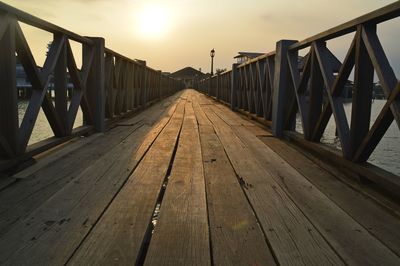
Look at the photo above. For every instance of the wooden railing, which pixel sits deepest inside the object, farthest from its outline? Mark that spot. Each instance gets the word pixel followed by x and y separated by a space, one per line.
pixel 275 86
pixel 107 86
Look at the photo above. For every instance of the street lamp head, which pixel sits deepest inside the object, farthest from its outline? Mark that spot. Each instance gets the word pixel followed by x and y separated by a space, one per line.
pixel 212 52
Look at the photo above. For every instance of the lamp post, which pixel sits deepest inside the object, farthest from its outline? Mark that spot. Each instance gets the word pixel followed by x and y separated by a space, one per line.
pixel 212 54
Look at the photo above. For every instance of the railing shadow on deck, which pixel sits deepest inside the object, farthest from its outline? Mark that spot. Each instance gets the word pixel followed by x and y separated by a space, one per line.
pixel 107 87
pixel 274 87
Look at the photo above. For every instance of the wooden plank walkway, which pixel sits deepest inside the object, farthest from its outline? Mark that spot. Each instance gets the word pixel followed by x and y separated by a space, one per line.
pixel 189 182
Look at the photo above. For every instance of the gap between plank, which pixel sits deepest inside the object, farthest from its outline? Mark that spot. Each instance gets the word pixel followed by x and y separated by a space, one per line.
pixel 243 185
pixel 248 200
pixel 157 208
pixel 205 191
pixel 120 188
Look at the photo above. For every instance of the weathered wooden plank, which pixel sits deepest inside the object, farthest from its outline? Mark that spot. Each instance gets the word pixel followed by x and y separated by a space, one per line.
pixel 383 179
pixel 6 181
pixel 294 240
pixel 181 236
pixel 200 116
pixel 19 200
pixel 229 117
pixel 363 208
pixel 120 232
pixel 55 154
pixel 353 243
pixel 50 234
pixel 236 237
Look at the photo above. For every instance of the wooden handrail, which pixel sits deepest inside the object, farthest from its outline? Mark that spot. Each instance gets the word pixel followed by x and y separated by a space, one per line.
pixel 375 17
pixel 41 24
pixel 277 85
pixel 108 87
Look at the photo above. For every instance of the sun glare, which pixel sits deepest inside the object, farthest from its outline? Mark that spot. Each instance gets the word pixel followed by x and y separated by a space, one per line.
pixel 153 21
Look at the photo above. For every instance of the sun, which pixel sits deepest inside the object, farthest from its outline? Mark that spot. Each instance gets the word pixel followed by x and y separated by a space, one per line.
pixel 153 21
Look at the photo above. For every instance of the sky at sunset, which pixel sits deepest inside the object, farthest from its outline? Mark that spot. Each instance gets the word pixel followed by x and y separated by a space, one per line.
pixel 173 34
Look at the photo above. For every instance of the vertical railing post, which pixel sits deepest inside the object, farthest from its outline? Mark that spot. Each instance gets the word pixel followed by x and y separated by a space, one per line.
pixel 218 87
pixel 60 88
pixel 95 85
pixel 159 84
pixel 362 92
pixel 209 85
pixel 280 87
pixel 143 83
pixel 8 92
pixel 234 86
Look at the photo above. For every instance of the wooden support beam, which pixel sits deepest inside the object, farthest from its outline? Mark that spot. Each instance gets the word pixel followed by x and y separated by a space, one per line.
pixel 8 92
pixel 60 89
pixel 143 83
pixel 218 87
pixel 95 87
pixel 79 85
pixel 336 90
pixel 336 103
pixel 108 83
pixel 362 95
pixel 280 87
pixel 384 71
pixel 159 84
pixel 39 81
pixel 41 96
pixel 378 129
pixel 315 95
pixel 270 86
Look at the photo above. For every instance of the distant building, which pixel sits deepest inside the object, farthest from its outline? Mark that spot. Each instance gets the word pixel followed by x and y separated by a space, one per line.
pixel 378 92
pixel 189 76
pixel 347 92
pixel 24 86
pixel 243 57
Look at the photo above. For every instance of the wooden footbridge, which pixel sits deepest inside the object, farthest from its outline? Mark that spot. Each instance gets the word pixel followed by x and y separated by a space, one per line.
pixel 214 175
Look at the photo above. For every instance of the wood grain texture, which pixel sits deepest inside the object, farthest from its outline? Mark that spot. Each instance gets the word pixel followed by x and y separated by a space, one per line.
pixel 23 197
pixel 181 236
pixel 117 237
pixel 377 220
pixel 293 238
pixel 234 196
pixel 350 239
pixel 236 237
pixel 54 230
pixel 53 155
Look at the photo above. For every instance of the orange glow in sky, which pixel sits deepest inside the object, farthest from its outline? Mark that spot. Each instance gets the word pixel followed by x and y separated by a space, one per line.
pixel 153 21
pixel 172 34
